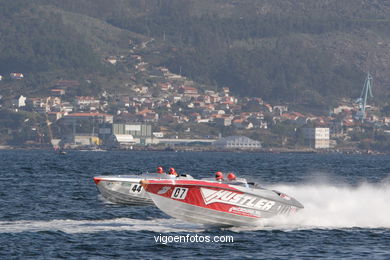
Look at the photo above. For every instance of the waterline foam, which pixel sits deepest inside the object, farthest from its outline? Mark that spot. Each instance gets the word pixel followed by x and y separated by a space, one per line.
pixel 336 206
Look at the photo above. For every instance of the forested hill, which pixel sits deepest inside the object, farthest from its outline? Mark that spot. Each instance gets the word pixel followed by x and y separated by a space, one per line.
pixel 33 40
pixel 298 51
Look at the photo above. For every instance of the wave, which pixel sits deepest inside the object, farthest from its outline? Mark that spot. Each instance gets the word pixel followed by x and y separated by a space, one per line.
pixel 91 226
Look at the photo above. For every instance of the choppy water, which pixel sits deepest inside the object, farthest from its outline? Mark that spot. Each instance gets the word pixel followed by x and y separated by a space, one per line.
pixel 50 208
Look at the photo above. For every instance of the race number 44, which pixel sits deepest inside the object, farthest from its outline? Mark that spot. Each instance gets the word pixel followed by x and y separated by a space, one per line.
pixel 179 193
pixel 136 188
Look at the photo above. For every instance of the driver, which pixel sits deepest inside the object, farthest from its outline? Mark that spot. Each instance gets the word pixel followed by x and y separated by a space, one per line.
pixel 219 176
pixel 232 177
pixel 172 171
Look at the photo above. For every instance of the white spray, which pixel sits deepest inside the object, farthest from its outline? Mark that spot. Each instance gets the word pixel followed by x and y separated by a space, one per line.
pixel 336 206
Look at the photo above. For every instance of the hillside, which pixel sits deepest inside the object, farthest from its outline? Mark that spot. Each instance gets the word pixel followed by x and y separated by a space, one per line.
pixel 300 52
pixel 294 51
pixel 47 44
pixel 104 38
pixel 33 41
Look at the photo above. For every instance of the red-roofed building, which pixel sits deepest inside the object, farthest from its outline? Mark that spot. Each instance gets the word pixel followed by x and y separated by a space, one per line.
pixel 289 116
pixel 145 111
pixel 188 90
pixel 102 118
pixel 298 114
pixel 268 107
pixel 241 123
pixel 148 115
pixel 165 86
pixel 349 122
pixel 57 91
pixel 229 100
pixel 67 83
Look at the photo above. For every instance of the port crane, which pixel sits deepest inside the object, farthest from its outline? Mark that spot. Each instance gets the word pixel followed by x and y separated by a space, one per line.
pixel 362 100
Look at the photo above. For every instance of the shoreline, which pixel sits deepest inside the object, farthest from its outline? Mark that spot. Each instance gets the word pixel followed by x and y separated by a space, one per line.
pixel 273 150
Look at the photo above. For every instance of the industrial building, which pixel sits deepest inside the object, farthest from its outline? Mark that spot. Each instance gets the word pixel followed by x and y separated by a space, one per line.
pixel 80 140
pixel 84 128
pixel 120 141
pixel 317 137
pixel 139 133
pixel 237 142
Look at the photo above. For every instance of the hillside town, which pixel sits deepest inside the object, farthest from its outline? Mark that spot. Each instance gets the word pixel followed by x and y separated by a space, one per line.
pixel 169 110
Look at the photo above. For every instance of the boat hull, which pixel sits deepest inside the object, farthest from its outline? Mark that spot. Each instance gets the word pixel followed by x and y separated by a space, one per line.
pixel 123 191
pixel 200 215
pixel 126 189
pixel 217 204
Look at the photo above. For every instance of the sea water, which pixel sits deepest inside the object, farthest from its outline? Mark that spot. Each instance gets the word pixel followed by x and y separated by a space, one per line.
pixel 51 209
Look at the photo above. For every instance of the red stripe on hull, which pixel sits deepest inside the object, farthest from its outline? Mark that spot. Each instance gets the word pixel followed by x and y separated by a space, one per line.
pixel 216 196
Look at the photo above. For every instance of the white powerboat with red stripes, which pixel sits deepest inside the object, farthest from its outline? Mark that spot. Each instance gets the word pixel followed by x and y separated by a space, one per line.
pixel 126 189
pixel 217 203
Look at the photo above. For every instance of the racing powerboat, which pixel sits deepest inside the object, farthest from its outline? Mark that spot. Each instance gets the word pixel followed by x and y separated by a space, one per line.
pixel 214 203
pixel 126 189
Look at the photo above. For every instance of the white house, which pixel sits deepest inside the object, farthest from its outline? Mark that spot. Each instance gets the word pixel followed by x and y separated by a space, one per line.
pixel 113 60
pixel 20 101
pixel 339 109
pixel 86 102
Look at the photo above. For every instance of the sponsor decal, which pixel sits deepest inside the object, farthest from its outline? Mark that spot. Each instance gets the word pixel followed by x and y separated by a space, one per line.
pixel 245 212
pixel 234 198
pixel 164 190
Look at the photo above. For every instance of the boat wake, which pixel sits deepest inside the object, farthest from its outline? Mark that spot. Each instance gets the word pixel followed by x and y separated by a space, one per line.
pixel 334 207
pixel 327 206
pixel 92 226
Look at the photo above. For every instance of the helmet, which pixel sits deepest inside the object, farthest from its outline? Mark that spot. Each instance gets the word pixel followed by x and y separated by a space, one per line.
pixel 160 170
pixel 172 171
pixel 218 176
pixel 231 176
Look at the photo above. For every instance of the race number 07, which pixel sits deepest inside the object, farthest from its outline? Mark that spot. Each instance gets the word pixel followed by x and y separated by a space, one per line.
pixel 179 193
